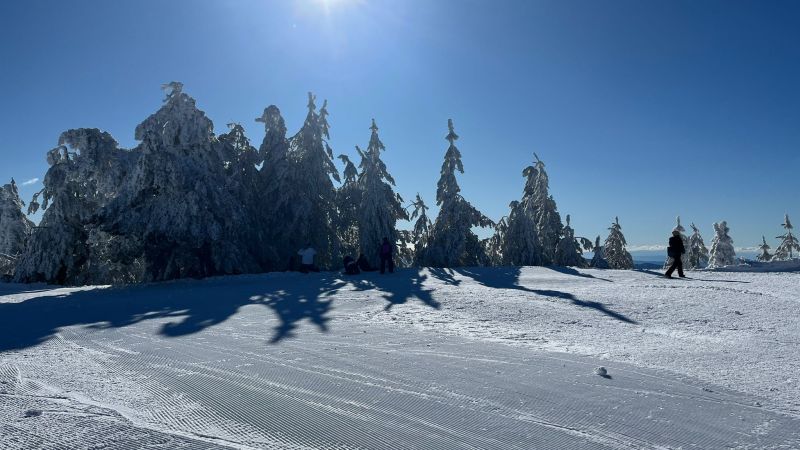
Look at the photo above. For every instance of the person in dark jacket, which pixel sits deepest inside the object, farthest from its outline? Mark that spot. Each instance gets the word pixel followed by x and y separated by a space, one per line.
pixel 386 256
pixel 675 251
pixel 363 264
pixel 350 266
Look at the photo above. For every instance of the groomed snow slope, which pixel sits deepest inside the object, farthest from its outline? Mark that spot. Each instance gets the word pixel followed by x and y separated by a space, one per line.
pixel 471 358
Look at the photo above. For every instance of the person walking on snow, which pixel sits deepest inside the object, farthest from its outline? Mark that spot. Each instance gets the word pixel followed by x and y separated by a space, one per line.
pixel 386 256
pixel 307 259
pixel 675 251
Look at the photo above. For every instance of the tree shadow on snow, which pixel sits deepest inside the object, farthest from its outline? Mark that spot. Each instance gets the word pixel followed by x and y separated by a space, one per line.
pixel 508 278
pixel 574 272
pixel 195 305
pixel 397 288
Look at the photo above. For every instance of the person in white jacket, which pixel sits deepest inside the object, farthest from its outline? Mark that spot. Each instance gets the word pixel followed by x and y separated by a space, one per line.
pixel 307 259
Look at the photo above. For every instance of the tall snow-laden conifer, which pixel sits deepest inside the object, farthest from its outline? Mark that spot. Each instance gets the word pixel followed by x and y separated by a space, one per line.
pixel 614 249
pixel 68 247
pixel 789 245
pixel 452 242
pixel 570 248
pixel 178 212
pixel 722 251
pixel 599 258
pixel 421 231
pixel 380 207
pixel 520 244
pixel 14 228
pixel 548 221
pixel 686 258
pixel 698 253
pixel 764 256
pixel 348 202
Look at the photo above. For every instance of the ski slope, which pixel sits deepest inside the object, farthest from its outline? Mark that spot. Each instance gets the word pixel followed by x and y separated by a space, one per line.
pixel 495 358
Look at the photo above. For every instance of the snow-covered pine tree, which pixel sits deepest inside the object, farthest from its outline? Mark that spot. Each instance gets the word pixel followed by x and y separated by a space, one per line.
pixel 570 248
pixel 452 242
pixel 380 207
pixel 299 196
pixel 599 258
pixel 68 246
pixel 421 230
pixel 548 221
pixel 14 228
pixel 722 251
pixel 764 256
pixel 698 253
pixel 176 212
pixel 686 245
pixel 348 201
pixel 494 246
pixel 614 249
pixel 520 244
pixel 789 244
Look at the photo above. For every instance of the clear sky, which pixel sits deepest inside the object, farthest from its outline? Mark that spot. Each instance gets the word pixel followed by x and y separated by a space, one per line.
pixel 641 109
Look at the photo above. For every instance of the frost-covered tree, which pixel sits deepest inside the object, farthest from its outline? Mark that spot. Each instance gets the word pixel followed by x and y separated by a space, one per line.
pixel 380 207
pixel 451 242
pixel 178 212
pixel 686 245
pixel 764 256
pixel 519 243
pixel 599 258
pixel 300 195
pixel 614 249
pixel 697 251
pixel 86 172
pixel 494 245
pixel 421 230
pixel 14 228
pixel 722 251
pixel 348 202
pixel 570 248
pixel 548 220
pixel 789 244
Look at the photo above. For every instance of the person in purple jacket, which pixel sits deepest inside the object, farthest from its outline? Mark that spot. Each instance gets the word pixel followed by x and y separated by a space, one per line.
pixel 386 256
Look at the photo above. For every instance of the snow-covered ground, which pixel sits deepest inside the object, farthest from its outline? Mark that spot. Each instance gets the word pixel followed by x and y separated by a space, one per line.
pixel 470 358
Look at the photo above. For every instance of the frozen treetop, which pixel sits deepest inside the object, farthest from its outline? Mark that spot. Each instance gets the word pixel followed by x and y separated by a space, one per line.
pixel 451 135
pixel 678 227
pixel 178 123
pixel 786 223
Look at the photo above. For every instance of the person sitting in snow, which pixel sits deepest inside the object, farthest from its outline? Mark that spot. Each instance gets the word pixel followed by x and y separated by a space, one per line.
pixel 363 264
pixel 386 256
pixel 676 251
pixel 350 266
pixel 307 259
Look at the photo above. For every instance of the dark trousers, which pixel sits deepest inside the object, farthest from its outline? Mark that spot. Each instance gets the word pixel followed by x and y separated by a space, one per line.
pixel 305 268
pixel 387 259
pixel 677 263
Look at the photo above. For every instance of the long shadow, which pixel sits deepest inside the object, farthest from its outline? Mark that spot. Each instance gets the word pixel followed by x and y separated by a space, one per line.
pixel 508 278
pixel 397 288
pixel 661 275
pixel 195 305
pixel 571 271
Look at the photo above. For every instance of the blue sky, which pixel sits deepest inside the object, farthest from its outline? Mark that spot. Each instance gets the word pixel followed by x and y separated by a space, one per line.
pixel 641 109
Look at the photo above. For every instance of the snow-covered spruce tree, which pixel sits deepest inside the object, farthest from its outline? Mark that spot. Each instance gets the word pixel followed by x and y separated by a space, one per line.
pixel 494 246
pixel 348 201
pixel 614 249
pixel 570 248
pixel 698 253
pixel 380 207
pixel 764 256
pixel 14 228
pixel 722 252
pixel 420 232
pixel 451 242
pixel 789 245
pixel 599 258
pixel 299 196
pixel 520 244
pixel 548 221
pixel 68 246
pixel 686 245
pixel 178 212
